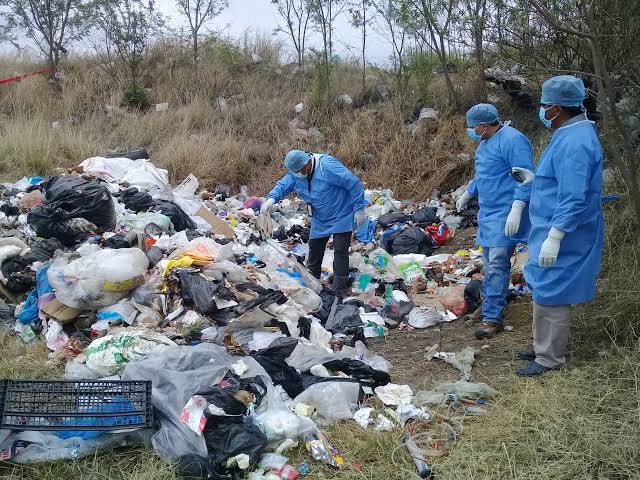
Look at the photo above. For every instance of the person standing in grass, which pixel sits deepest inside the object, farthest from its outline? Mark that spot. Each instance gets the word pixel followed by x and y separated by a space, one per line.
pixel 335 203
pixel 503 220
pixel 567 225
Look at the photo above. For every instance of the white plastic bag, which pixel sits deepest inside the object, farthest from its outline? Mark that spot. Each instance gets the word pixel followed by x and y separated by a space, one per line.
pixel 333 400
pixel 394 394
pixel 424 317
pixel 278 422
pixel 99 279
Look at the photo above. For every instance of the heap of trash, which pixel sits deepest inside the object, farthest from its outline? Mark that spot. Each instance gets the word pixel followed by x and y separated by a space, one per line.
pixel 236 352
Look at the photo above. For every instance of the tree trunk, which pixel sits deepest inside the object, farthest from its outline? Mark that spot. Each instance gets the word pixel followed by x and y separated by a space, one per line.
pixel 482 90
pixel 364 43
pixel 195 49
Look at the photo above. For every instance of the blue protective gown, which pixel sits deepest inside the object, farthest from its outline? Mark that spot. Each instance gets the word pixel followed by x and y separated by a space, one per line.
pixel 496 189
pixel 336 194
pixel 566 195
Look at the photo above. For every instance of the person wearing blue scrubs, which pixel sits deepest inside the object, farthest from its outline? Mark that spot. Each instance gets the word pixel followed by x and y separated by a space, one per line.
pixel 503 220
pixel 567 226
pixel 335 203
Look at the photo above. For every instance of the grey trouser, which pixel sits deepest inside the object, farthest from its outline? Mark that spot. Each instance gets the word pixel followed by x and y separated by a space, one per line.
pixel 551 334
pixel 341 243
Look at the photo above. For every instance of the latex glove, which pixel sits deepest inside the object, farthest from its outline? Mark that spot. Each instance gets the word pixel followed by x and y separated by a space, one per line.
pixel 359 218
pixel 550 248
pixel 265 209
pixel 527 176
pixel 513 220
pixel 461 204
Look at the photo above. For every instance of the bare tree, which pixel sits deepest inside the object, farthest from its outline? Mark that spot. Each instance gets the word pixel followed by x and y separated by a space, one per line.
pixel 198 13
pixel 50 24
pixel 295 15
pixel 431 20
pixel 625 154
pixel 476 14
pixel 388 26
pixel 323 16
pixel 359 19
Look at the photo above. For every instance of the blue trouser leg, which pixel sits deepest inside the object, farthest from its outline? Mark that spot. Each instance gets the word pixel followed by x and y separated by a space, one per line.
pixel 497 272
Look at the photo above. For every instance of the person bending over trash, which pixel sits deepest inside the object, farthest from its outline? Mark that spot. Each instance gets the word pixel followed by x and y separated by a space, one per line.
pixel 567 226
pixel 335 203
pixel 502 220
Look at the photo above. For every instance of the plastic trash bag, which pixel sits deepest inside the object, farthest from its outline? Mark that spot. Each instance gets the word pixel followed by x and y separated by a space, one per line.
pixel 425 216
pixel 198 291
pixel 176 374
pixel 394 394
pixel 136 200
pixel 359 370
pixel 305 356
pixel 345 319
pixel 473 295
pixel 108 355
pixel 68 197
pixel 181 221
pixel 411 240
pixel 99 279
pixel 279 423
pixel 140 222
pixel 142 173
pixel 462 360
pixel 336 400
pixel 389 219
pixel 377 362
pixel 424 317
pixel 272 359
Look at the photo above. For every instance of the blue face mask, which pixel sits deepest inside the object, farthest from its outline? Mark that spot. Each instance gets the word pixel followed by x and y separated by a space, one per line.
pixel 473 135
pixel 541 113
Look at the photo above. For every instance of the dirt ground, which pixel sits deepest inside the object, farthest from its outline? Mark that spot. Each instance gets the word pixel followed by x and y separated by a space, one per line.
pixel 495 362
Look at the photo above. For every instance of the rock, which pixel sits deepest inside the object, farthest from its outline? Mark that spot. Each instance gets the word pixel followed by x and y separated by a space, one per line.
pixel 609 175
pixel 508 328
pixel 296 123
pixel 162 107
pixel 56 125
pixel 299 108
pixel 344 101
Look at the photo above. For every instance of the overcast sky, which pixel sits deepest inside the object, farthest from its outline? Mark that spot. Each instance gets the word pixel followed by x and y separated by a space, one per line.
pixel 260 16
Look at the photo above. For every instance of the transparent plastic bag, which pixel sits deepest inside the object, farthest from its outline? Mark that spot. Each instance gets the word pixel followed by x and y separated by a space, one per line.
pixel 99 279
pixel 278 422
pixel 332 400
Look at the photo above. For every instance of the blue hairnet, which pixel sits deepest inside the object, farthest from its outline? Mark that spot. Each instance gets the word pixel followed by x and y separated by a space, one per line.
pixel 563 90
pixel 295 160
pixel 482 113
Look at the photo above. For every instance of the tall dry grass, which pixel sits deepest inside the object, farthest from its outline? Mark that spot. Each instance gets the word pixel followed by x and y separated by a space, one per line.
pixel 243 143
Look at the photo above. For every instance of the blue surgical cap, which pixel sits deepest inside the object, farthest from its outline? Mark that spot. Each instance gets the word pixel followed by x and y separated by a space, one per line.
pixel 482 113
pixel 563 90
pixel 295 160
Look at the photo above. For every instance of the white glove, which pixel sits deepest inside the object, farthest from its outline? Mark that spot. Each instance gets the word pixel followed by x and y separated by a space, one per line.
pixel 265 209
pixel 550 248
pixel 359 218
pixel 461 204
pixel 513 220
pixel 527 176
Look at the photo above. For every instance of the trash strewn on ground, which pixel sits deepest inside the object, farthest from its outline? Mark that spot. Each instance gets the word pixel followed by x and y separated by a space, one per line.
pixel 128 279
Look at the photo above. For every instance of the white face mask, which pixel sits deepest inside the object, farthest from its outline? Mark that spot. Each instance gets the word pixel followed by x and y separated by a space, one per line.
pixel 300 175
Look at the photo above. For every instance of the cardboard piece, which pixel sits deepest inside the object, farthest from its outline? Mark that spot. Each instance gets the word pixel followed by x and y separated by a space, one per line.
pixel 218 225
pixel 61 312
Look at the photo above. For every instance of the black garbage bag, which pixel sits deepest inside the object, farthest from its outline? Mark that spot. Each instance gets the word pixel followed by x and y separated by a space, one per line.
pixel 68 197
pixel 346 319
pixel 273 360
pixel 299 230
pixel 280 234
pixel 227 398
pixel 181 221
pixel 227 439
pixel 328 297
pixel 139 153
pixel 198 291
pixel 193 467
pixel 269 298
pixel 411 240
pixel 398 310
pixel 136 201
pixel 389 219
pixel 119 240
pixel 9 210
pixel 359 370
pixel 222 192
pixel 473 295
pixel 20 277
pixel 425 216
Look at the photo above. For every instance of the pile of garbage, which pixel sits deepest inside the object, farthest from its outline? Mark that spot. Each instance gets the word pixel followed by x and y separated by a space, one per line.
pixel 127 278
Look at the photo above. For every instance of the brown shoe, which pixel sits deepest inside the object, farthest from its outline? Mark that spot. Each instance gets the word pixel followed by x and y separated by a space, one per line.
pixel 487 330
